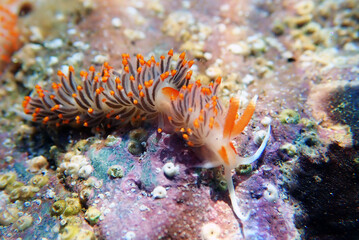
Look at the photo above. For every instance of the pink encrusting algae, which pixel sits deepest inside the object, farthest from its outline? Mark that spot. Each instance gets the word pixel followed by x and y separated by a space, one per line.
pixel 151 91
pixel 9 36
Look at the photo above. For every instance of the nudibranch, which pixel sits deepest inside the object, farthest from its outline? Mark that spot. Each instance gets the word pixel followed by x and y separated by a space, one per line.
pixel 150 90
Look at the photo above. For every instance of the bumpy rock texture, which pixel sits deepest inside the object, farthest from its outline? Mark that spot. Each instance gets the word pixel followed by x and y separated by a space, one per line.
pixel 300 57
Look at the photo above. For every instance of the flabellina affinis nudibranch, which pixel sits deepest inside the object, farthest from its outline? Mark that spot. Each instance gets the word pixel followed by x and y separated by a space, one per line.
pixel 156 91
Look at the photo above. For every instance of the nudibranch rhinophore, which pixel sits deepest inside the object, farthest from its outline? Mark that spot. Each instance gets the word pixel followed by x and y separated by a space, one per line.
pixel 150 90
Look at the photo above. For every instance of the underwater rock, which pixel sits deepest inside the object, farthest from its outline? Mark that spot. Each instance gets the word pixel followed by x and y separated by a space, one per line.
pixel 336 106
pixel 327 193
pixel 285 53
pixel 343 105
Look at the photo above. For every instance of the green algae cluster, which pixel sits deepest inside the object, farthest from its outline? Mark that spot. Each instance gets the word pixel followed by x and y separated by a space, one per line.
pixel 23 193
pixel 85 194
pixel 290 149
pixel 11 215
pixel 7 179
pixel 244 169
pixel 68 211
pixel 138 137
pixel 69 232
pixel 92 215
pixel 76 233
pixel 84 144
pixel 8 215
pixel 18 191
pixel 115 171
pixel 311 147
pixel 220 180
pixel 38 181
pixel 58 207
pixel 289 116
pixel 307 123
pixel 23 223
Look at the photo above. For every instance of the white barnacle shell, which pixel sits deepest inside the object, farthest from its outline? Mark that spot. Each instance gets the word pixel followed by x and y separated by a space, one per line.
pixel 159 192
pixel 72 168
pixel 37 163
pixel 259 136
pixel 271 193
pixel 170 169
pixel 210 231
pixel 85 171
pixel 79 159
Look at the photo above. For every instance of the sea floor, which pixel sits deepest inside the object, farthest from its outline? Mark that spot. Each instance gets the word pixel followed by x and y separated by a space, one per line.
pixel 300 57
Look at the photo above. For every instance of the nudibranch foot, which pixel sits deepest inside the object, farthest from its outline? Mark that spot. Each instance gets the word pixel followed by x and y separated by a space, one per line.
pixel 232 196
pixel 228 175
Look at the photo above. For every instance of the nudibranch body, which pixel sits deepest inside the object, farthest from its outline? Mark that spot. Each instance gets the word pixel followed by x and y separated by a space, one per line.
pixel 110 98
pixel 151 91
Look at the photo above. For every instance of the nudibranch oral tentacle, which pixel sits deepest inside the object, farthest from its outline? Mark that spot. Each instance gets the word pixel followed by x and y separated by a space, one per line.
pixel 146 90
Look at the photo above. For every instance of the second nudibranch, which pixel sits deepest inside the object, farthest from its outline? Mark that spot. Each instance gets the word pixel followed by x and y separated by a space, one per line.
pixel 210 129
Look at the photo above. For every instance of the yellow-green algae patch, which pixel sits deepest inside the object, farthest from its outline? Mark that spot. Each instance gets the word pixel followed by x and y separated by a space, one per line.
pixel 115 171
pixel 73 206
pixel 92 215
pixel 244 169
pixel 69 232
pixel 24 222
pixel 23 193
pixel 289 116
pixel 8 215
pixel 58 207
pixel 38 181
pixel 6 179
